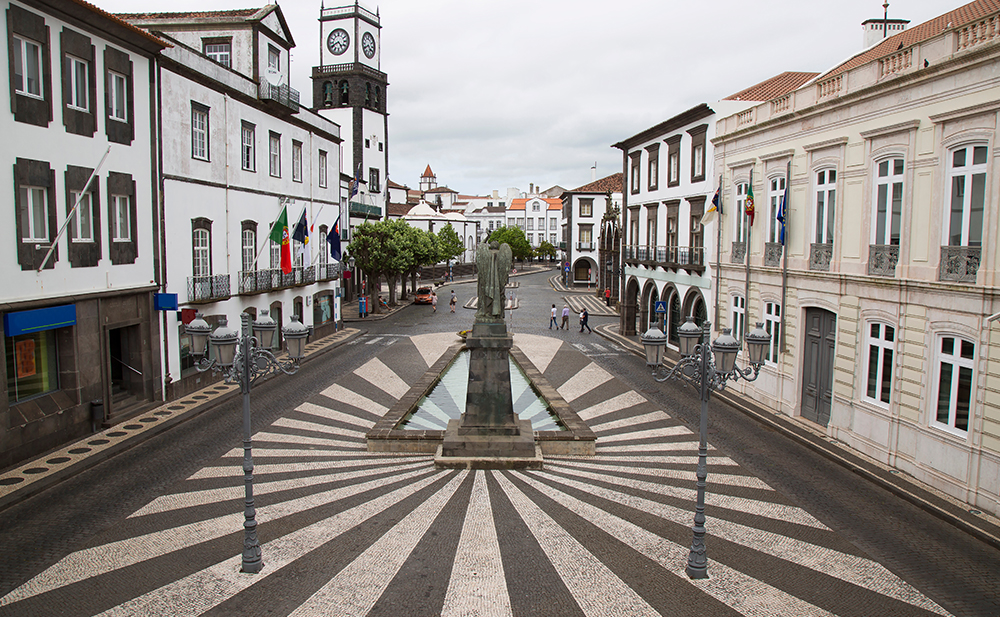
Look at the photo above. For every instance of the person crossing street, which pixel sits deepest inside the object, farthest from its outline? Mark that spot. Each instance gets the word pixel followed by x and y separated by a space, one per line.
pixel 584 319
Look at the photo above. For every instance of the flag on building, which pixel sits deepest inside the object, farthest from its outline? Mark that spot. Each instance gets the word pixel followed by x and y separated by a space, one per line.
pixel 781 215
pixel 334 239
pixel 279 235
pixel 301 234
pixel 356 183
pixel 749 202
pixel 716 210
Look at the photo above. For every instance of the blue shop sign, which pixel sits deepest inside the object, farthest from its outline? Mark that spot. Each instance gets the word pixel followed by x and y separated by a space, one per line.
pixel 49 318
pixel 165 302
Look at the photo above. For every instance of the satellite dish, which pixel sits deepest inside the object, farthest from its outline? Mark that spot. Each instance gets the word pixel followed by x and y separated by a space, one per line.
pixel 274 77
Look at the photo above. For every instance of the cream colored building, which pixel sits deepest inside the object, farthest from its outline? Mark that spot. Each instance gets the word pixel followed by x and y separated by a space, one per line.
pixel 892 268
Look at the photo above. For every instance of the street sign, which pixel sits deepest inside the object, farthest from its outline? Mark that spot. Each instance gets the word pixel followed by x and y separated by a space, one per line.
pixel 567 268
pixel 661 306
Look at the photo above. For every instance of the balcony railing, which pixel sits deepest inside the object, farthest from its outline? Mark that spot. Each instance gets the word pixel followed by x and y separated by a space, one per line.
pixel 327 271
pixel 207 288
pixel 959 263
pixel 585 246
pixel 820 256
pixel 739 253
pixel 882 259
pixel 772 254
pixel 283 95
pixel 675 257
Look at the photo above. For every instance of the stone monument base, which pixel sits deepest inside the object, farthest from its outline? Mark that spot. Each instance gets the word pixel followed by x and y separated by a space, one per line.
pixel 488 451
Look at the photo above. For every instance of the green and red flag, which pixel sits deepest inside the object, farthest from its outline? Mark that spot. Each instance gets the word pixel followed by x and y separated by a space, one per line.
pixel 279 234
pixel 749 207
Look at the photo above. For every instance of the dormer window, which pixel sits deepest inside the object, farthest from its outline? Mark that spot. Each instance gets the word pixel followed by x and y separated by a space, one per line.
pixel 220 51
pixel 273 58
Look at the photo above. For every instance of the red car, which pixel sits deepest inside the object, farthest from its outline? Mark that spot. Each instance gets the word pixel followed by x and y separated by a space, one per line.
pixel 423 296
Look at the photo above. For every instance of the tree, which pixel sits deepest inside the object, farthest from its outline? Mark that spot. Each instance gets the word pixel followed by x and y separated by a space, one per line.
pixel 545 249
pixel 378 249
pixel 424 252
pixel 514 236
pixel 450 245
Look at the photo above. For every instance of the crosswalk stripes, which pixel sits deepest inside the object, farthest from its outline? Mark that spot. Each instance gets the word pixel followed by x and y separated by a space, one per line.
pixel 594 305
pixel 349 532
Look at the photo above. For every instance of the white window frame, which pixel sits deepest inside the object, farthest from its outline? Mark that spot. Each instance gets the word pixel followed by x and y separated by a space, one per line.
pixel 79 83
pixel 772 325
pixel 296 161
pixel 201 243
pixel 84 213
pixel 552 239
pixel 322 169
pixel 698 152
pixel 776 188
pixel 274 154
pixel 673 166
pixel 825 204
pixel 248 147
pixel 273 58
pixel 249 247
pixel 199 133
pixel 121 223
pixel 536 207
pixel 739 226
pixel 531 238
pixel 23 78
pixel 118 95
pixel 586 234
pixel 34 201
pixel 220 52
pixel 887 200
pixel 955 361
pixel 531 224
pixel 739 317
pixel 880 339
pixel 586 207
pixel 968 173
pixel 323 248
pixel 553 224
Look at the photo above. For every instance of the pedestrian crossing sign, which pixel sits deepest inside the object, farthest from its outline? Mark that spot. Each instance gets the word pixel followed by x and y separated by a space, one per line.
pixel 661 306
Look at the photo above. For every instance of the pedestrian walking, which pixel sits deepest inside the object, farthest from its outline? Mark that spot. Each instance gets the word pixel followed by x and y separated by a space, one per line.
pixel 565 318
pixel 584 318
pixel 552 321
pixel 454 300
pixel 434 301
pixel 607 296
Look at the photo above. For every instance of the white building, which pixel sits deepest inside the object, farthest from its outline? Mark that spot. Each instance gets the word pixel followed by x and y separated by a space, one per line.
pixel 423 216
pixel 883 300
pixel 236 149
pixel 78 324
pixel 350 89
pixel 582 224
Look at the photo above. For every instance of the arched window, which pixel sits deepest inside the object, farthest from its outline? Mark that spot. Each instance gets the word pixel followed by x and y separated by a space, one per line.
pixel 327 94
pixel 344 91
pixel 955 367
pixel 967 195
pixel 368 95
pixel 378 96
pixel 826 201
pixel 775 193
pixel 881 343
pixel 201 246
pixel 888 201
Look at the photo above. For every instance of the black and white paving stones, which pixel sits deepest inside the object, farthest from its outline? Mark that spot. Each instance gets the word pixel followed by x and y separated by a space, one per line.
pixel 348 532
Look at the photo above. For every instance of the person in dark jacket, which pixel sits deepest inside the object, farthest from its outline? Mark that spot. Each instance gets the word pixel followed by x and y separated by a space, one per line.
pixel 584 318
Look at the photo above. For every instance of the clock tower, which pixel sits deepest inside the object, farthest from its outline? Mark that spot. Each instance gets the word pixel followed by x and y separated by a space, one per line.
pixel 349 88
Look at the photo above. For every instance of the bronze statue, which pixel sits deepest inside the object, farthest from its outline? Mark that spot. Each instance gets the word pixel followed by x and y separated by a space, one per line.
pixel 493 261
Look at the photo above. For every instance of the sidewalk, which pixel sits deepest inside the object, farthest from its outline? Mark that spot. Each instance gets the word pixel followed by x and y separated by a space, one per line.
pixel 31 477
pixel 969 519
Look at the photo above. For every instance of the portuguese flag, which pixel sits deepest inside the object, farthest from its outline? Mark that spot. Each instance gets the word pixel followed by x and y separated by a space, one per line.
pixel 749 207
pixel 279 234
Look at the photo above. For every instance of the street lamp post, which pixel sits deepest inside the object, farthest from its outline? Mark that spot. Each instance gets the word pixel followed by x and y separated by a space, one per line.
pixel 242 359
pixel 698 368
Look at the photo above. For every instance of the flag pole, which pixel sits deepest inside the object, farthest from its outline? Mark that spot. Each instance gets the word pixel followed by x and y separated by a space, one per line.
pixel 746 298
pixel 718 254
pixel 784 252
pixel 283 202
pixel 69 217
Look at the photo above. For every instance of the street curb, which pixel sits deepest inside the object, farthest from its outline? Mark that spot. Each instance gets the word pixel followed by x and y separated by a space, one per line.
pixel 220 393
pixel 954 514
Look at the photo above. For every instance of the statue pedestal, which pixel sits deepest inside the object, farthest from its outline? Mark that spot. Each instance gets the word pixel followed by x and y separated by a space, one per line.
pixel 489 429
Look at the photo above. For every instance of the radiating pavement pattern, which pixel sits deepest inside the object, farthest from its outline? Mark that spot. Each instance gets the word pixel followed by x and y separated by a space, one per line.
pixel 348 532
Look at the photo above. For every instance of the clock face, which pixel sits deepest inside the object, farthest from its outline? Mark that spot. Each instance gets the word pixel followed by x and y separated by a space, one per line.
pixel 368 44
pixel 338 41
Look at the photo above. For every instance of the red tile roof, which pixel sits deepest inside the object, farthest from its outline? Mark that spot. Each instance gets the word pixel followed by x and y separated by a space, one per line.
pixel 613 183
pixel 121 22
pixel 395 185
pixel 929 29
pixel 427 172
pixel 392 209
pixel 772 88
pixel 234 14
pixel 519 204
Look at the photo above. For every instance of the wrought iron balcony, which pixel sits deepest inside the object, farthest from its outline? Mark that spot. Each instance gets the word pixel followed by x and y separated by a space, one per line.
pixel 882 259
pixel 959 263
pixel 820 256
pixel 208 288
pixel 691 258
pixel 585 246
pixel 283 95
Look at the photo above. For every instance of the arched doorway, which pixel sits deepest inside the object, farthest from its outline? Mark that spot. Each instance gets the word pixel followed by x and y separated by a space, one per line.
pixel 630 308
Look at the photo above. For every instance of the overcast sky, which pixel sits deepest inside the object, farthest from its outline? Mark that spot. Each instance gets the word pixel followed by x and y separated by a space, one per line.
pixel 502 93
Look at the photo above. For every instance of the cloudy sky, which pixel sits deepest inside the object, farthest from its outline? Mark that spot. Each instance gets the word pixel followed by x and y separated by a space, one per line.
pixel 502 93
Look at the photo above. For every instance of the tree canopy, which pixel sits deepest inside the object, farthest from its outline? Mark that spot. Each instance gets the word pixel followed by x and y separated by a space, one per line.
pixel 450 245
pixel 514 236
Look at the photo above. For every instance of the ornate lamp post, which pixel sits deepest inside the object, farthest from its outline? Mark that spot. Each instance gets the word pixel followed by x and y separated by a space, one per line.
pixel 243 359
pixel 698 368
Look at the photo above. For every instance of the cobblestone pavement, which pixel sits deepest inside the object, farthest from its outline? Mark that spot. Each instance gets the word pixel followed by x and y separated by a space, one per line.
pixel 348 532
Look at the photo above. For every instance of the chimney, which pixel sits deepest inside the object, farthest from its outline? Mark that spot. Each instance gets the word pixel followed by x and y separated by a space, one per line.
pixel 593 173
pixel 531 188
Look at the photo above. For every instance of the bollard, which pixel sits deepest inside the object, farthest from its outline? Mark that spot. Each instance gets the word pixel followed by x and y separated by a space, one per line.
pixel 96 414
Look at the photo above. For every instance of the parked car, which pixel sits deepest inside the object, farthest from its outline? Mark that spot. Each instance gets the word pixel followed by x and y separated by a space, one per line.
pixel 423 296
